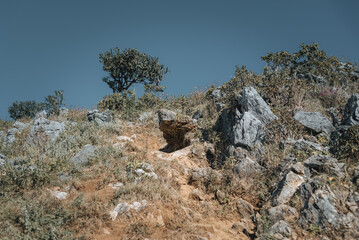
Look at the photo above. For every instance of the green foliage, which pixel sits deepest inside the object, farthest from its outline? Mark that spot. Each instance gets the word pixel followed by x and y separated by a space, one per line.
pixel 52 105
pixel 308 61
pixel 24 109
pixel 131 67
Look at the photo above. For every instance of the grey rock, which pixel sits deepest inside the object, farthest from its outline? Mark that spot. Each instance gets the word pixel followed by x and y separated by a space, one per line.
pixel 282 212
pixel 314 121
pixel 59 195
pixel 320 209
pixel 298 168
pixel 11 135
pixel 126 208
pixel 217 94
pixel 145 116
pixel 252 102
pixel 63 111
pixel 244 208
pixel 41 114
pixel 325 163
pixel 246 167
pixel 83 156
pixel 301 144
pixel 165 115
pixel 2 159
pixel 51 129
pixel 281 227
pixel 247 130
pixel 100 118
pixel 287 187
pixel 351 114
pixel 243 125
pixel 145 169
pixel 197 115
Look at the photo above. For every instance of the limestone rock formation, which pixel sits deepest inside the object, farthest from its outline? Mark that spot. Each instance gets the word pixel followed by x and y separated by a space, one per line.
pixel 314 121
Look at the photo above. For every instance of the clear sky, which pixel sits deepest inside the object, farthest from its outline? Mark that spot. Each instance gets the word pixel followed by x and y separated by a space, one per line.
pixel 48 45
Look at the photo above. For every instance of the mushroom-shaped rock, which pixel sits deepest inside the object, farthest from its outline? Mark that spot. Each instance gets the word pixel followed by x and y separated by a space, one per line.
pixel 175 130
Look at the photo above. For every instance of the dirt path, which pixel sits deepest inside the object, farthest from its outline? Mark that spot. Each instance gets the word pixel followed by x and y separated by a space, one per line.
pixel 194 215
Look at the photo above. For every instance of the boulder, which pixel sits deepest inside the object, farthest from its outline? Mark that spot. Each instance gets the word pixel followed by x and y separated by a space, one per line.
pixel 126 208
pixel 145 169
pixel 283 228
pixel 197 115
pixel 100 118
pixel 242 126
pixel 325 163
pixel 41 114
pixel 286 188
pixel 314 121
pixel 282 212
pixel 351 115
pixel 253 103
pixel 83 156
pixel 246 167
pixel 145 116
pixel 175 131
pixel 51 129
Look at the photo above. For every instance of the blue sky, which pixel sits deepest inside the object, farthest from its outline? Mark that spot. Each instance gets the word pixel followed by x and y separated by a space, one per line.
pixel 48 45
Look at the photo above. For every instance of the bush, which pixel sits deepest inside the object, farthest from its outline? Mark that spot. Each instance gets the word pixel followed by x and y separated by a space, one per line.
pixel 52 105
pixel 24 109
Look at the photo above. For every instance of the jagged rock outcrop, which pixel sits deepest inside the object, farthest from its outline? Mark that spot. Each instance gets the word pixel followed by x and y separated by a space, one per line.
pixel 325 163
pixel 246 167
pixel 286 188
pixel 98 117
pixel 175 131
pixel 351 115
pixel 314 121
pixel 243 125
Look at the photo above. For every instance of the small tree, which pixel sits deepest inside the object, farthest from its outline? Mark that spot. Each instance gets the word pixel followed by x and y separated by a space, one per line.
pixel 131 67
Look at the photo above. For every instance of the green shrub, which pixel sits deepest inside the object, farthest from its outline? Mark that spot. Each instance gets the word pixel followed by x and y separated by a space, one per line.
pixel 52 105
pixel 24 109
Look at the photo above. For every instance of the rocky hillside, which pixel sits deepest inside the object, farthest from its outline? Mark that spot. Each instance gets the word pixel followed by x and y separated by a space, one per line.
pixel 267 156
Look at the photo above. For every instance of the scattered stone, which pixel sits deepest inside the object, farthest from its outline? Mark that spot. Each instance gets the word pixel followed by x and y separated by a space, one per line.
pixel 298 168
pixel 2 159
pixel 145 116
pixel 301 144
pixel 117 185
pixel 41 114
pixel 286 188
pixel 196 195
pixel 100 118
pixel 63 111
pixel 246 167
pixel 124 138
pixel 281 227
pixel 125 208
pixel 197 115
pixel 325 163
pixel 282 212
pixel 145 169
pixel 244 208
pixel 221 197
pixel 351 115
pixel 51 129
pixel 59 195
pixel 82 157
pixel 314 121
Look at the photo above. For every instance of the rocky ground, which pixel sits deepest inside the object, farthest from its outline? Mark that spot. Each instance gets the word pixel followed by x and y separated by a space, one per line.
pixel 92 175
